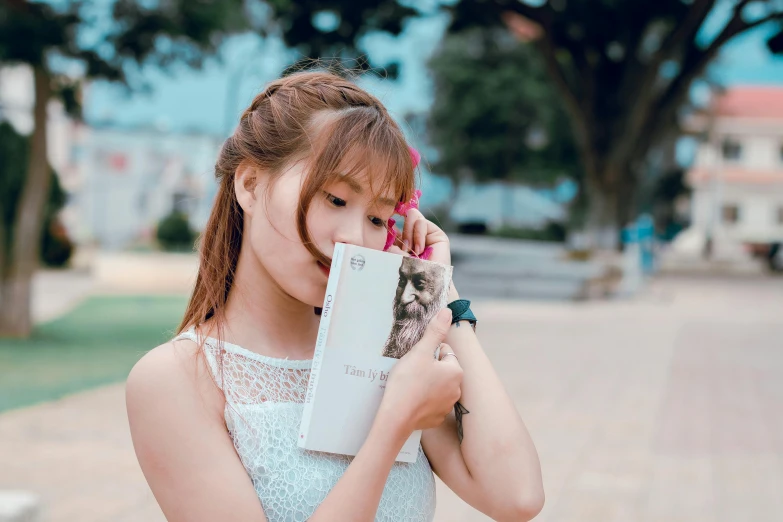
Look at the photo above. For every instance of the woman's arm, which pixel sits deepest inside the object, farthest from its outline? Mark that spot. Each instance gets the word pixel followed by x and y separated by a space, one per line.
pixel 496 468
pixel 188 458
pixel 357 494
pixel 419 394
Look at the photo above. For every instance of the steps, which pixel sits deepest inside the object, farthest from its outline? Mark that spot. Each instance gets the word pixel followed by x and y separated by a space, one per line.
pixel 19 506
pixel 497 268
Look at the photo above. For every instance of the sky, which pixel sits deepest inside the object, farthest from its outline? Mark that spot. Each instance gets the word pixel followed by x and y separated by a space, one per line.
pixel 211 99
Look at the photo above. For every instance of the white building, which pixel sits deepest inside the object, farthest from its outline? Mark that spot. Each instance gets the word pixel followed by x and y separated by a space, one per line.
pixel 122 182
pixel 737 175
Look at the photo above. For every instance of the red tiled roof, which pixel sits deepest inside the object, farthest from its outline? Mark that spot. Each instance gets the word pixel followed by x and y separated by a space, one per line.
pixel 737 175
pixel 751 102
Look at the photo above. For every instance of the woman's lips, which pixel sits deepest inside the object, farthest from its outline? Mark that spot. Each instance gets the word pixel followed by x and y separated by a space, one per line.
pixel 324 269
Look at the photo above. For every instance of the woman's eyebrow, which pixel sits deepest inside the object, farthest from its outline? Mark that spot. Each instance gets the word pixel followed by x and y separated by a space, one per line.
pixel 356 187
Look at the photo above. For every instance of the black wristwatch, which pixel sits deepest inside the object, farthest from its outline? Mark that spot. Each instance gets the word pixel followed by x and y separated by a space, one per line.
pixel 460 311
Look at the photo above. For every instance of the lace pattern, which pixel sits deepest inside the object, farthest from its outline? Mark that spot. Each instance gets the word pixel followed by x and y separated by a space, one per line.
pixel 264 406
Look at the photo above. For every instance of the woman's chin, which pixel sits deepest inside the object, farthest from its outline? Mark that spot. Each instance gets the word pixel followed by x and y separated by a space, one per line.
pixel 314 297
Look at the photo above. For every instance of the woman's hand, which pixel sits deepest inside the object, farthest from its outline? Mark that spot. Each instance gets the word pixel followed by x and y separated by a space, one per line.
pixel 422 391
pixel 420 233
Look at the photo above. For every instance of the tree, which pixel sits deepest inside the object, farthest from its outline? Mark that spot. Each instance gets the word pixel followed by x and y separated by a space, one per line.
pixel 496 116
pixel 334 29
pixel 623 71
pixel 41 35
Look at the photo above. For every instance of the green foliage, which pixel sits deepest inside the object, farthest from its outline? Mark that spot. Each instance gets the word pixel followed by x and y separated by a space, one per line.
pixel 56 247
pixel 175 233
pixel 493 103
pixel 339 41
pixel 29 29
pixel 174 31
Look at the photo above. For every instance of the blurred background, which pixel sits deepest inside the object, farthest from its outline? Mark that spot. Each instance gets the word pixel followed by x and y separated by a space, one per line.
pixel 610 174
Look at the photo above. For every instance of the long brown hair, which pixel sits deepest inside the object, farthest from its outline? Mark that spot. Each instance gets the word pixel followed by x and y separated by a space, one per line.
pixel 321 118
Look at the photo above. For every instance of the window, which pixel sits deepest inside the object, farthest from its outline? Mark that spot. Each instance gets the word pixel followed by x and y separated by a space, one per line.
pixel 732 149
pixel 77 153
pixel 730 214
pixel 142 203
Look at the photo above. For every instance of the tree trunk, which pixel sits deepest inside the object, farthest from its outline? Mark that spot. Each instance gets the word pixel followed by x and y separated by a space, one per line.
pixel 610 197
pixel 22 259
pixel 601 225
pixel 627 196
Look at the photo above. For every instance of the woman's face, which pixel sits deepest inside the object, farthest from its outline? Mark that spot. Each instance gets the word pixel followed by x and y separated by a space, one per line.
pixel 343 212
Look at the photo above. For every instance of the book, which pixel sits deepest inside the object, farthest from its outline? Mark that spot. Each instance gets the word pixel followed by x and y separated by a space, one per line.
pixel 377 306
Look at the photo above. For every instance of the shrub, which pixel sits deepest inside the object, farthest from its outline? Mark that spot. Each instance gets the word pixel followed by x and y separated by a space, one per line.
pixel 175 233
pixel 553 231
pixel 56 246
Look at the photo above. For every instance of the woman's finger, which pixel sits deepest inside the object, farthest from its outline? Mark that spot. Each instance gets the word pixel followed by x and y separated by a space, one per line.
pixel 394 249
pixel 407 229
pixel 419 235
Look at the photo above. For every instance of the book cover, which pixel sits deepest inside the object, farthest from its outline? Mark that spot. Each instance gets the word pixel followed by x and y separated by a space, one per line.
pixel 377 305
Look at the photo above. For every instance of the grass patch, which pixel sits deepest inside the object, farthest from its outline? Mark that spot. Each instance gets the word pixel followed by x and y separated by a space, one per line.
pixel 97 343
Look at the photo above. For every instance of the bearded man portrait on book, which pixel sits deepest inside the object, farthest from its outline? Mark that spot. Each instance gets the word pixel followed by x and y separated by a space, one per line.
pixel 422 291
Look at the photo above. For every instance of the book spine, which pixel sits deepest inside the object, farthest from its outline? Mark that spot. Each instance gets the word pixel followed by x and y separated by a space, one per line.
pixel 323 333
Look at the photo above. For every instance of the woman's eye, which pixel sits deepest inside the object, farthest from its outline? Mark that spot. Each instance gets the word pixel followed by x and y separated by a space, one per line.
pixel 378 222
pixel 334 200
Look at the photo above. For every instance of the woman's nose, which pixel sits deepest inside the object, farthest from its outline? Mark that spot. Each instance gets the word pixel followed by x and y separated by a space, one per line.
pixel 350 232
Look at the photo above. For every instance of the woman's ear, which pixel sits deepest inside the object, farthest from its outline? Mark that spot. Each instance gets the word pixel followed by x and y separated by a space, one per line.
pixel 245 182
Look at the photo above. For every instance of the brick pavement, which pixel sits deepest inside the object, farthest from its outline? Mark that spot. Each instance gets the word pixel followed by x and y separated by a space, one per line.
pixel 666 408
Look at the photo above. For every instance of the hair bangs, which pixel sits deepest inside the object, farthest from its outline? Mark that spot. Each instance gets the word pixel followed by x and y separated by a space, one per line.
pixel 359 144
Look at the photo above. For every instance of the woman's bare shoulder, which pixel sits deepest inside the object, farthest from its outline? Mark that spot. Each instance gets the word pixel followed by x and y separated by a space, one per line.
pixel 171 373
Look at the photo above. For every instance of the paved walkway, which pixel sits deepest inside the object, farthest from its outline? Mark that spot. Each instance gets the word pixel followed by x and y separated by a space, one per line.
pixel 667 408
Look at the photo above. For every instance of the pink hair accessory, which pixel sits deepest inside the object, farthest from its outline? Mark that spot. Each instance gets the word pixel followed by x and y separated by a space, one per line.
pixel 402 209
pixel 391 234
pixel 415 156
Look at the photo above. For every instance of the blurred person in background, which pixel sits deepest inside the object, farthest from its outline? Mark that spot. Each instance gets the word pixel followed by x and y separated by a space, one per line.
pixel 215 413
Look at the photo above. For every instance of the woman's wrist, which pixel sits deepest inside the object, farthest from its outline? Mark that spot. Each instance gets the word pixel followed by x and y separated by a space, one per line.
pixel 453 294
pixel 392 424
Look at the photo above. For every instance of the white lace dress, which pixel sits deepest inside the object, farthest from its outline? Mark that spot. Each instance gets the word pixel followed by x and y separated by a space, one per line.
pixel 264 405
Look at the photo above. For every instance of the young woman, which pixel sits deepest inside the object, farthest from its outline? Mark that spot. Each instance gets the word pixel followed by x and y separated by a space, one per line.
pixel 214 414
